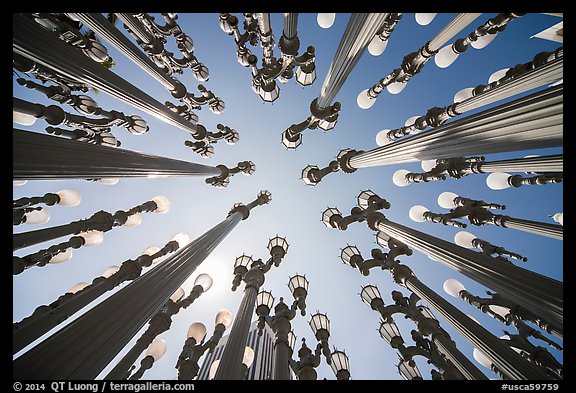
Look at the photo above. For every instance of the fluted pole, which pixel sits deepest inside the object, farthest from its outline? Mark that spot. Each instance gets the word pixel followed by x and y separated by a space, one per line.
pixel 537 293
pixel 290 25
pixel 101 26
pixel 32 41
pixel 64 158
pixel 84 347
pixel 231 367
pixel 531 122
pixel 540 164
pixel 503 356
pixel 359 32
pixel 538 228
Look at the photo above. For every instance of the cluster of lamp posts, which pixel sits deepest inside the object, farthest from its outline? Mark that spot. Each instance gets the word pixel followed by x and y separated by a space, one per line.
pixel 511 356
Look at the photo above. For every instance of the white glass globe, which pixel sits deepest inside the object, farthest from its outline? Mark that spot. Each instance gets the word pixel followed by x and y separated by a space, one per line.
pixel 498 180
pixel 463 94
pixel 428 165
pixel 424 18
pixel 445 56
pixel 224 317
pixel 23 119
pixel 110 181
pixel 133 220
pixel 181 238
pixel 151 250
pixel 325 20
pixel 464 239
pixel 382 139
pixel 77 287
pixel 61 257
pixel 213 369
pixel 163 204
pixel 497 75
pixel 453 287
pixel 248 357
pixel 156 349
pixel 37 216
pixel 481 358
pixel 416 213
pixel 559 218
pixel 204 280
pixel 109 271
pixel 197 331
pixel 377 46
pixel 446 200
pixel 179 294
pixel 396 87
pixel 69 197
pixel 92 238
pixel 364 101
pixel 399 178
pixel 483 41
pixel 19 182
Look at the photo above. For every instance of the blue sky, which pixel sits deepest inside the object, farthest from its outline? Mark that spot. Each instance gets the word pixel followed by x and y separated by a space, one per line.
pixel 295 209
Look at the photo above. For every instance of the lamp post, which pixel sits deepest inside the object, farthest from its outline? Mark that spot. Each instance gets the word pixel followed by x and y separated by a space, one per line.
pixel 100 221
pixel 31 41
pixel 161 322
pixel 195 346
pixel 108 327
pixel 91 127
pixel 21 207
pixel 86 161
pixel 543 69
pixel 550 169
pixel 535 292
pixel 49 255
pixel 456 366
pixel 257 27
pixel 204 147
pixel 159 63
pixel 503 128
pixel 252 273
pixel 246 167
pixel 478 214
pixel 281 322
pixel 468 240
pixel 478 39
pixel 505 311
pixel 155 351
pixel 340 365
pixel 46 317
pixel 360 30
pixel 379 42
pixel 413 63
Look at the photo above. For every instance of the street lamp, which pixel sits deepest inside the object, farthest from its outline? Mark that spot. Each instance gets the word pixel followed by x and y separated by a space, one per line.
pixel 22 212
pixel 340 365
pixel 320 325
pixel 478 214
pixel 325 20
pixel 502 180
pixel 49 255
pixel 425 18
pixel 468 240
pixel 155 351
pixel 100 221
pixel 559 218
pixel 478 39
pixel 505 311
pixel 195 346
pixel 252 273
pixel 246 167
pixel 380 41
pixel 280 322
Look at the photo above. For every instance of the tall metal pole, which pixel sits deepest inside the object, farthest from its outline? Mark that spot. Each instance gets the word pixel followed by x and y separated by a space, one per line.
pixel 359 32
pixel 531 122
pixel 505 358
pixel 540 294
pixel 63 158
pixel 84 347
pixel 34 42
